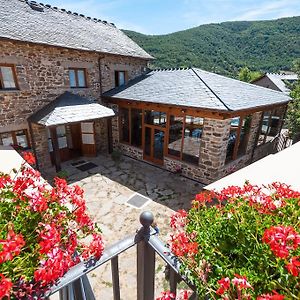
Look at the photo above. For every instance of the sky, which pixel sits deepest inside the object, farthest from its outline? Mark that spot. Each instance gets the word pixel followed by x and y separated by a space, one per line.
pixel 166 16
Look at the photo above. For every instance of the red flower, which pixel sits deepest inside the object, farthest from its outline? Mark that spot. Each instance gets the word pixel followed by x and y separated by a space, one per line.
pixel 29 158
pixel 275 296
pixel 183 246
pixel 50 238
pixel 95 248
pixel 281 240
pixel 5 286
pixel 224 285
pixel 166 296
pixel 293 266
pixel 4 181
pixel 11 246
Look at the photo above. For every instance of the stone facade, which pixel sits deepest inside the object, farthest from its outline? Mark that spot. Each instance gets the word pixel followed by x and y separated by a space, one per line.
pixel 42 75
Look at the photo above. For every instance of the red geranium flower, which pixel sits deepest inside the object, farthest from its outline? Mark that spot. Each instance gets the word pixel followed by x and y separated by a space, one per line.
pixel 5 286
pixel 28 156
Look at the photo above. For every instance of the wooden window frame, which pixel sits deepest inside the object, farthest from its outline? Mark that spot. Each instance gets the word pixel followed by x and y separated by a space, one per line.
pixel 76 78
pixel 14 136
pixel 238 139
pixel 272 112
pixel 13 68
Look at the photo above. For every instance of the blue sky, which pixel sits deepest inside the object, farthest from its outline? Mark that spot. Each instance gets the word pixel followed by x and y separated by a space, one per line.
pixel 165 16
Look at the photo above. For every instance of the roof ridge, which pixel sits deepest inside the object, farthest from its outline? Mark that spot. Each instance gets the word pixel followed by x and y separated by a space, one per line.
pixel 211 90
pixel 243 82
pixel 170 69
pixel 68 12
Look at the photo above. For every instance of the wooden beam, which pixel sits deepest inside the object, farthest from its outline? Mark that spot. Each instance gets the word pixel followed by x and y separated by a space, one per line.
pixel 55 147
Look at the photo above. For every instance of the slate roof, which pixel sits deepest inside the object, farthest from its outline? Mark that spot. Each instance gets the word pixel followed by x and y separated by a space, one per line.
pixel 197 88
pixel 279 80
pixel 58 27
pixel 70 108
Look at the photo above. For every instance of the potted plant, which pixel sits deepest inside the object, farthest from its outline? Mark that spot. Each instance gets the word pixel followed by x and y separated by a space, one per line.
pixel 43 232
pixel 241 243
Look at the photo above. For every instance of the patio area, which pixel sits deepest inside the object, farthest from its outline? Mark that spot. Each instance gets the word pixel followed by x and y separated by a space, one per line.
pixel 116 193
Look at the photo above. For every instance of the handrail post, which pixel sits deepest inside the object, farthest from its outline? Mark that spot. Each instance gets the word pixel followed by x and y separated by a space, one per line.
pixel 145 260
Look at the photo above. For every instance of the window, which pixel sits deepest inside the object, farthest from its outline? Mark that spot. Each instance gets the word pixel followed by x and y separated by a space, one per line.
pixel 124 124
pixel 120 78
pixel 130 121
pixel 15 138
pixel 77 78
pixel 155 118
pixel 185 137
pixel 270 126
pixel 61 138
pixel 136 127
pixel 238 137
pixel 8 80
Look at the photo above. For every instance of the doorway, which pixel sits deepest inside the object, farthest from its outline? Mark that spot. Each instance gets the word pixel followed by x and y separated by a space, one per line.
pixel 154 144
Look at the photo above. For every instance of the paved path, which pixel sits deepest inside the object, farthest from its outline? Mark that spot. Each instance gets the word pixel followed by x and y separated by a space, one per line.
pixel 107 188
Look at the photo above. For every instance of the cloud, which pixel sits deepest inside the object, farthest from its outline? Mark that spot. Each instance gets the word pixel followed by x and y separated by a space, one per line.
pixel 271 9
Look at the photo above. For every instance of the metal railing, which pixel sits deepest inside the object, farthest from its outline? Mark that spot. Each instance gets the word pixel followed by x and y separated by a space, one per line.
pixel 76 286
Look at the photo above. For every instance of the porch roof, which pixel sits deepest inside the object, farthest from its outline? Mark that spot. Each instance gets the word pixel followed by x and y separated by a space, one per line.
pixel 199 89
pixel 70 108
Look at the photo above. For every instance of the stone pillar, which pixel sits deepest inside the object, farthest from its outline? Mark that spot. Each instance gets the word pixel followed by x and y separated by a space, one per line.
pixel 213 147
pixel 40 144
pixel 255 127
pixel 101 136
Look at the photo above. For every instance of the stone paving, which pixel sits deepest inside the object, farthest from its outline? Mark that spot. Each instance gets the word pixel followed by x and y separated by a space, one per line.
pixel 107 188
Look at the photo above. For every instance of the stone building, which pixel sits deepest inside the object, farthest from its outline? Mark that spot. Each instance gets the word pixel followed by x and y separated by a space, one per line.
pixel 195 122
pixel 54 66
pixel 277 81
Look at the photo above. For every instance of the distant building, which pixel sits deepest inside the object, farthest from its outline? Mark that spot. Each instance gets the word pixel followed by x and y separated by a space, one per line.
pixel 278 82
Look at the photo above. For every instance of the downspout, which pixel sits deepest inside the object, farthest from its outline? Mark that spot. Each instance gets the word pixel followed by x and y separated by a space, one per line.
pixel 100 74
pixel 33 144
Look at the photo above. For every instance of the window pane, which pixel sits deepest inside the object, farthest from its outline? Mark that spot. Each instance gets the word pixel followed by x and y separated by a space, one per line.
pixel 175 136
pixel 124 124
pixel 155 118
pixel 158 144
pixel 264 127
pixel 234 125
pixel 72 78
pixel 244 135
pixel 22 138
pixel 7 139
pixel 121 78
pixel 81 78
pixel 192 137
pixel 61 131
pixel 8 78
pixel 136 127
pixel 147 149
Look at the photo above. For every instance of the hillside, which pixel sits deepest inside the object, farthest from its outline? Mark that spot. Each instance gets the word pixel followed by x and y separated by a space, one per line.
pixel 226 47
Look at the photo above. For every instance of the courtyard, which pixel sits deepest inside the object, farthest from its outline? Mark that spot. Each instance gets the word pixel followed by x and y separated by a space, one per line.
pixel 116 193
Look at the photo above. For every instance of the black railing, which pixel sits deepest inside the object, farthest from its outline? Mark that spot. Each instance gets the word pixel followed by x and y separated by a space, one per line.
pixel 76 286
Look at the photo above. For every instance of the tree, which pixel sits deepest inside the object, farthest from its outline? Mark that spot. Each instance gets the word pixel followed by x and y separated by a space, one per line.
pixel 293 113
pixel 245 74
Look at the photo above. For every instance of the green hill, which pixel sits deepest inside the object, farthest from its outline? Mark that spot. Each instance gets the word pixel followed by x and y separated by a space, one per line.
pixel 226 47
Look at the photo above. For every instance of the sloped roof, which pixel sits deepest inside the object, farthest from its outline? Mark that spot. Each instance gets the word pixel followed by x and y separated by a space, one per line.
pixel 197 88
pixel 70 108
pixel 58 27
pixel 279 80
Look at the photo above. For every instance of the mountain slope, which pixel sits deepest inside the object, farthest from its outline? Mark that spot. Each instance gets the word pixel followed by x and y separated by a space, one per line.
pixel 226 47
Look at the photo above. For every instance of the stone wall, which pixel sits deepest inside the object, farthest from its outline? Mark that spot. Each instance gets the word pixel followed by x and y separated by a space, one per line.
pixel 101 136
pixel 41 146
pixel 42 75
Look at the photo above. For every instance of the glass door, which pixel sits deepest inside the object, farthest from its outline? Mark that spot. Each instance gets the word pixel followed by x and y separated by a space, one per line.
pixel 154 141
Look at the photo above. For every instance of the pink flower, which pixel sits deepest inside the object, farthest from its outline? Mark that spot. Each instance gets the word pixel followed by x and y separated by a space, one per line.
pixel 241 282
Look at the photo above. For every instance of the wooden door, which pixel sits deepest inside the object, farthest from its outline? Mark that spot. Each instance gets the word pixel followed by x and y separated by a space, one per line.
pixel 154 144
pixel 75 145
pixel 88 145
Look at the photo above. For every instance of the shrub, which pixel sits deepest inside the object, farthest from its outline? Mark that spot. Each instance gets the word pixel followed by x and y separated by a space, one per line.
pixel 41 232
pixel 242 243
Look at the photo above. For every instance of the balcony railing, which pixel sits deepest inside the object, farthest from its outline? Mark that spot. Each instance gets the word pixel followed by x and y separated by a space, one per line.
pixel 76 286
